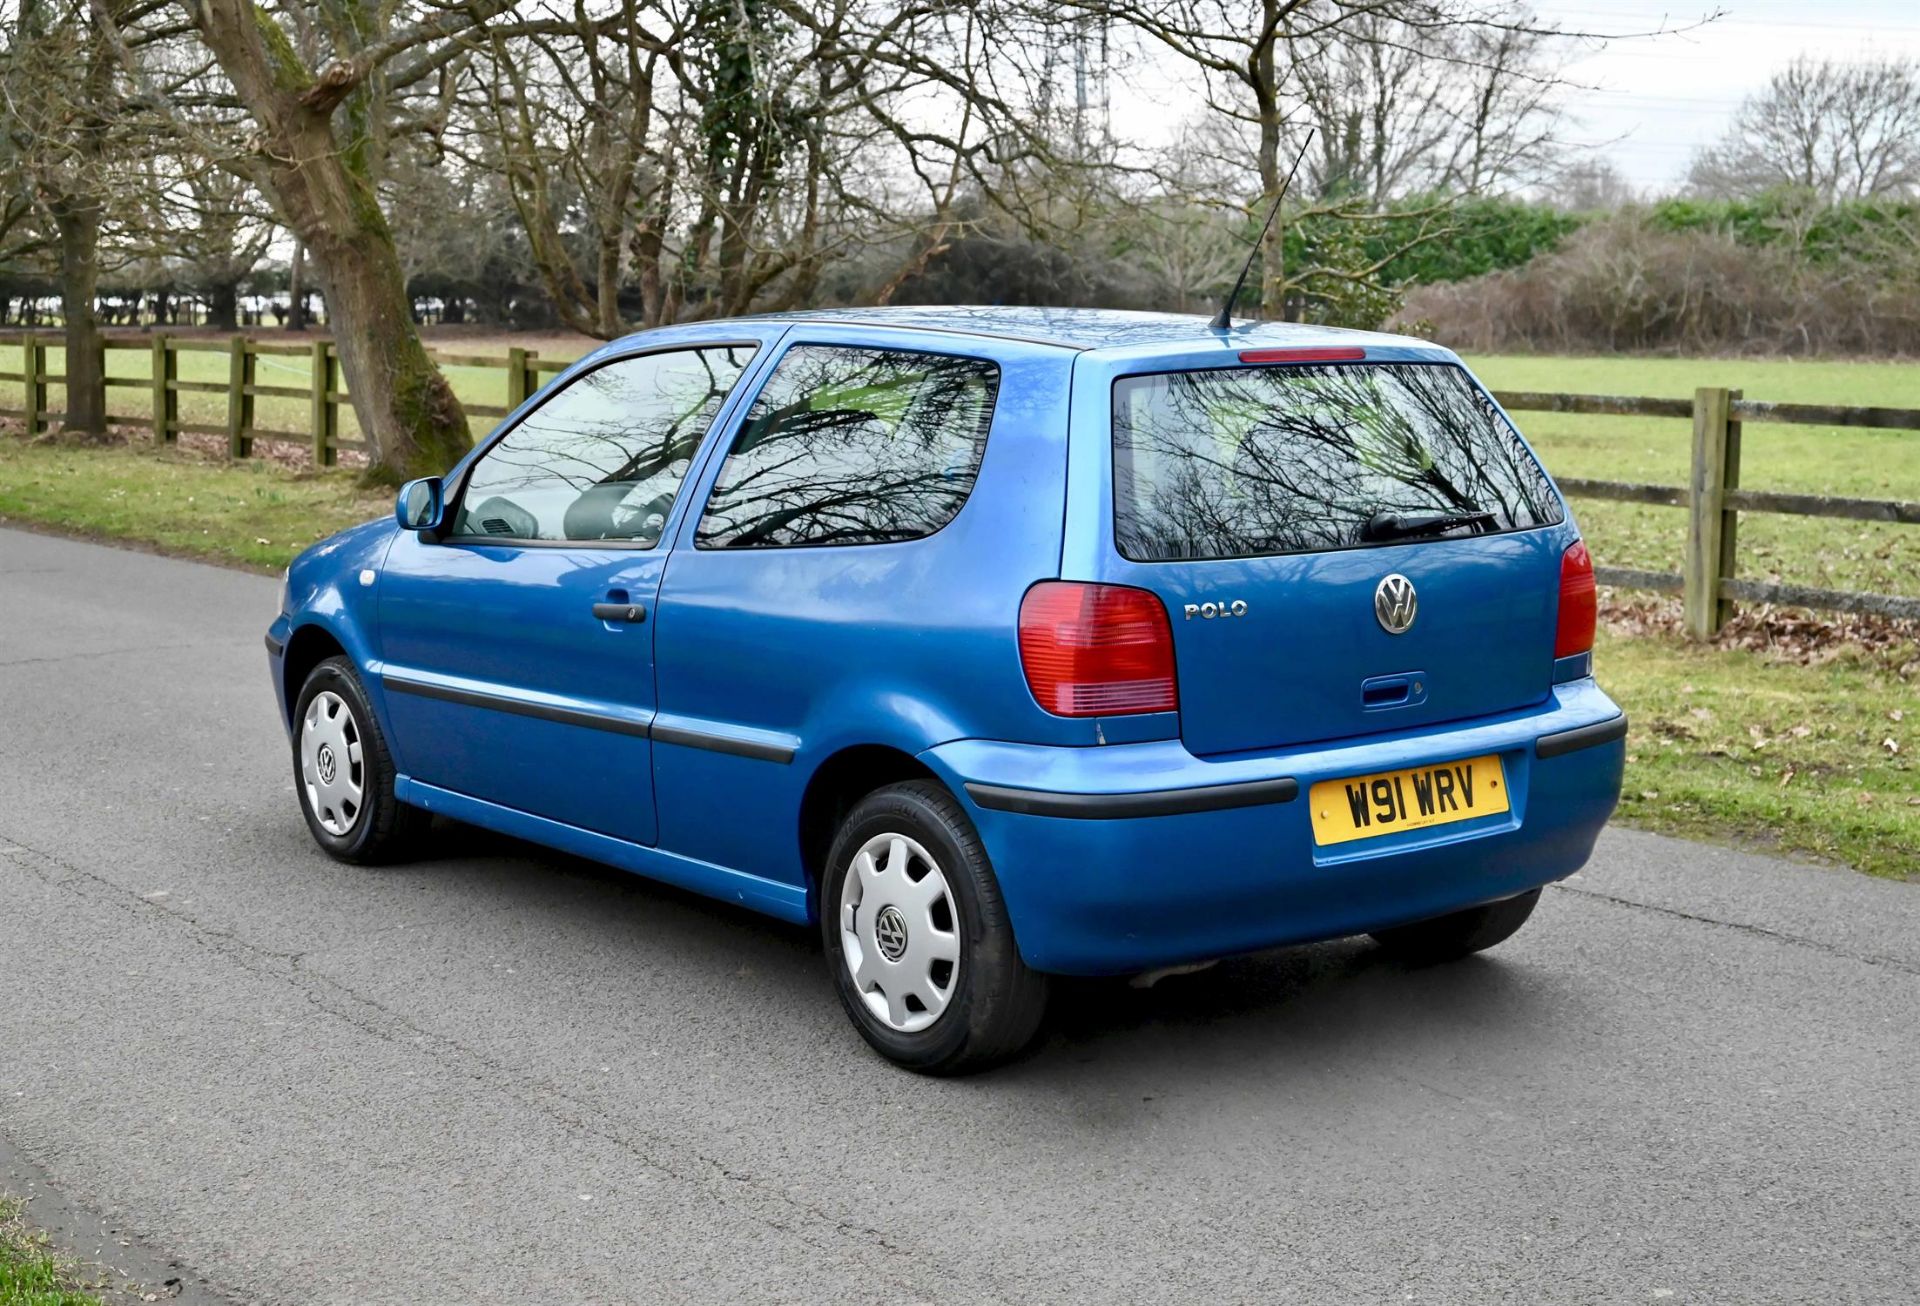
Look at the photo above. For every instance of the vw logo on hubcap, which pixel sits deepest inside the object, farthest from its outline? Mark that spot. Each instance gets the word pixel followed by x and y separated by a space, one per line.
pixel 324 760
pixel 890 932
pixel 1395 603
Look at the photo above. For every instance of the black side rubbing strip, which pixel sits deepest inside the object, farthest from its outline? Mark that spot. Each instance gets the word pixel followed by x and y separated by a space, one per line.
pixel 1111 807
pixel 723 744
pixel 564 715
pixel 274 647
pixel 1572 741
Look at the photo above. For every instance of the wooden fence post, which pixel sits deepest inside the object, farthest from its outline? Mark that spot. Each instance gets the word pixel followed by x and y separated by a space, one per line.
pixel 163 406
pixel 1729 517
pixel 518 375
pixel 1711 528
pixel 33 366
pixel 99 350
pixel 239 402
pixel 325 418
pixel 173 393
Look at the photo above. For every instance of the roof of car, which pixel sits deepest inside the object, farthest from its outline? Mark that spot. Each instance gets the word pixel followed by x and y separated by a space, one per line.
pixel 1086 328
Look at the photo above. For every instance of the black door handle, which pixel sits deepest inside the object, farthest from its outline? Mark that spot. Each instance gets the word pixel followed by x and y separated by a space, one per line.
pixel 633 612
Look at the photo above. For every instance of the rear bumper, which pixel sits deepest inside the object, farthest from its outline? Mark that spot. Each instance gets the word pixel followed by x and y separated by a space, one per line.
pixel 1131 856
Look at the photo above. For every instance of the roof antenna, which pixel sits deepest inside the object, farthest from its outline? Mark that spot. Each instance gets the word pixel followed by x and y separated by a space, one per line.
pixel 1223 321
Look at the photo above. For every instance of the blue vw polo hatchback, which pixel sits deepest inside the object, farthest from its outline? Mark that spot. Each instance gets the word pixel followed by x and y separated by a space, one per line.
pixel 999 643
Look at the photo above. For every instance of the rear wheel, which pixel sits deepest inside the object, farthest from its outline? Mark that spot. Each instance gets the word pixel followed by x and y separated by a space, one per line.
pixel 1448 938
pixel 344 773
pixel 917 936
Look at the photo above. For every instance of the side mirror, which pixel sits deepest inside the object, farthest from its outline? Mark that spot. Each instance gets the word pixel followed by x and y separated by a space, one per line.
pixel 419 505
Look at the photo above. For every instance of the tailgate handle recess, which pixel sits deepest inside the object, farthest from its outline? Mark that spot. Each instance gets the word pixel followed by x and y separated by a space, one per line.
pixel 1402 689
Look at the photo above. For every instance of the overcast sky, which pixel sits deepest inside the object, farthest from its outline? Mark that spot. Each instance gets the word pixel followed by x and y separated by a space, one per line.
pixel 1647 104
pixel 1661 99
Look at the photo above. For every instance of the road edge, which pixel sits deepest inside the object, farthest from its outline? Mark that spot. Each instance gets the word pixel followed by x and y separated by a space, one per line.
pixel 122 1265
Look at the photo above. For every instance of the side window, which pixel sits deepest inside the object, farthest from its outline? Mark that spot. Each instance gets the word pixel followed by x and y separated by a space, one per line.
pixel 603 458
pixel 853 446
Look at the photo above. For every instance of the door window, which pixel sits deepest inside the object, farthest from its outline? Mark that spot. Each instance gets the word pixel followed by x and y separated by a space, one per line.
pixel 853 446
pixel 603 458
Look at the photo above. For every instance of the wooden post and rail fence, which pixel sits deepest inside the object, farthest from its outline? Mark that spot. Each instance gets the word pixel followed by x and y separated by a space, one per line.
pixel 525 373
pixel 1707 581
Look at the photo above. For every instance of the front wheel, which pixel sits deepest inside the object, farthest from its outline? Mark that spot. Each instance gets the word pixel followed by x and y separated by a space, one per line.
pixel 344 773
pixel 1448 938
pixel 918 939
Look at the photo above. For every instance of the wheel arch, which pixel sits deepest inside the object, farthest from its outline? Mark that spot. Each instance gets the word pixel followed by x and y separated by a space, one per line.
pixel 307 647
pixel 842 779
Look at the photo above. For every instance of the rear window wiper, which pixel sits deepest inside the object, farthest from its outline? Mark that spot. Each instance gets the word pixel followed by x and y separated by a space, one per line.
pixel 1392 526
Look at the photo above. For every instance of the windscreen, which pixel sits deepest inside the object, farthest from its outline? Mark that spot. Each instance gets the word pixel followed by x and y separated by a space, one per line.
pixel 1238 462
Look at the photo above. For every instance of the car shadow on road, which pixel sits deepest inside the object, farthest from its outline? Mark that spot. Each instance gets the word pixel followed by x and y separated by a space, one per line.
pixel 1267 1010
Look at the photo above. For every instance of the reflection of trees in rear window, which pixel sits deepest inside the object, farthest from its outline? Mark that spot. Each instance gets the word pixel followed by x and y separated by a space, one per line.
pixel 1232 462
pixel 853 446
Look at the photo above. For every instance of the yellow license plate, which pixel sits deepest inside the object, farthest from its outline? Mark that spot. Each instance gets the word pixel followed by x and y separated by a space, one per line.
pixel 1368 806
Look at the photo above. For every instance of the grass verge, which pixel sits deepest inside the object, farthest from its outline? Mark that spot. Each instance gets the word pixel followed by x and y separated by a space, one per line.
pixel 1806 748
pixel 253 514
pixel 30 1274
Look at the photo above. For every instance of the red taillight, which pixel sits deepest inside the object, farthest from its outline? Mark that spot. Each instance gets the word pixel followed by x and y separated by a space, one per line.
pixel 1579 602
pixel 1096 650
pixel 1318 354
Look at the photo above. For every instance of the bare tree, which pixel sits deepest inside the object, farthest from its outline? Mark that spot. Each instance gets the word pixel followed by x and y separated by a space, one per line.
pixel 1407 107
pixel 1842 131
pixel 214 226
pixel 703 157
pixel 306 99
pixel 1591 186
pixel 65 147
pixel 1405 96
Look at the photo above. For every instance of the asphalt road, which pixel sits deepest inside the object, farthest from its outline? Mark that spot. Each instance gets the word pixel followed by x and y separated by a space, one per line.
pixel 506 1075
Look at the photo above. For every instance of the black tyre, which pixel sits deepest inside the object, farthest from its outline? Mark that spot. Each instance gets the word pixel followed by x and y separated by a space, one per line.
pixel 917 936
pixel 1448 938
pixel 344 773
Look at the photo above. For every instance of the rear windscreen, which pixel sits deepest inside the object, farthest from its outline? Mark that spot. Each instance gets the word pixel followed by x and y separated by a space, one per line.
pixel 1240 461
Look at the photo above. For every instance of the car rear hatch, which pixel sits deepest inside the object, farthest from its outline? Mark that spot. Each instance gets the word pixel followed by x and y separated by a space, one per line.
pixel 1343 547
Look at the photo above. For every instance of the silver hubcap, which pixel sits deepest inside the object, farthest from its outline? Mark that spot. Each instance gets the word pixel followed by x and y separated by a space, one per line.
pixel 900 932
pixel 330 765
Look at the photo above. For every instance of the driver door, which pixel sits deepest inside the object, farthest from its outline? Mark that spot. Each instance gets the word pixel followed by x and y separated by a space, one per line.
pixel 519 648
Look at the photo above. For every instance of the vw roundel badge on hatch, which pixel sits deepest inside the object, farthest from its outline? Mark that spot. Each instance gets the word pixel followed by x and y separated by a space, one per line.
pixel 1395 604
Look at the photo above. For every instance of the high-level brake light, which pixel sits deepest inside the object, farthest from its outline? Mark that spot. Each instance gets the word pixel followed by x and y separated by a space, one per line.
pixel 1319 354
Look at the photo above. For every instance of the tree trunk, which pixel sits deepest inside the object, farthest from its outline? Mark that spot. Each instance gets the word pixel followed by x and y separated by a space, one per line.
pixel 412 421
pixel 223 307
pixel 1273 257
pixel 417 425
pixel 297 290
pixel 77 220
pixel 408 412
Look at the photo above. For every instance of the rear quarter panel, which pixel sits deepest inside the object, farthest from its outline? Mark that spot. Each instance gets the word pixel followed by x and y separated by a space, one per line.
pixel 906 645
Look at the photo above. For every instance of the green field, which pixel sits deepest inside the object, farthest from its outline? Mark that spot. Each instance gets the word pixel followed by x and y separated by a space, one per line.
pixel 1805 749
pixel 1827 552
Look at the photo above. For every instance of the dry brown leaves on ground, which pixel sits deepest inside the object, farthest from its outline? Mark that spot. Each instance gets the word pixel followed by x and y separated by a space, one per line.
pixel 1788 634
